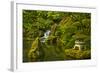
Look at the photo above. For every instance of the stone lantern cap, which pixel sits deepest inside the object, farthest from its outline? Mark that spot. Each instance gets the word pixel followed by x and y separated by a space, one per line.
pixel 79 42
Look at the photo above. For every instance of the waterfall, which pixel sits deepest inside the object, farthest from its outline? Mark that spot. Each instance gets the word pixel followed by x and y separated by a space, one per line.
pixel 46 34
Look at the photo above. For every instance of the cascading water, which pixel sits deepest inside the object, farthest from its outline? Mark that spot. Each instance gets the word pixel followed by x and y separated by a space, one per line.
pixel 46 34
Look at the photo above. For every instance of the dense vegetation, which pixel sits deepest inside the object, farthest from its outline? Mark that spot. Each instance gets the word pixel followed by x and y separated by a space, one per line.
pixel 64 27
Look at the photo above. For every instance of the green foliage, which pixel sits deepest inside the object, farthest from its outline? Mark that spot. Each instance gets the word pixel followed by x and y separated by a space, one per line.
pixel 35 44
pixel 34 51
pixel 65 27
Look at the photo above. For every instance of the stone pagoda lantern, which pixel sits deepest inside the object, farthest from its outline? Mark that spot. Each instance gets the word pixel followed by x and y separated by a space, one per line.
pixel 79 45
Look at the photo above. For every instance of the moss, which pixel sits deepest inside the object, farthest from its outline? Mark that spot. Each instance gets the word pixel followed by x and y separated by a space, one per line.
pixel 77 54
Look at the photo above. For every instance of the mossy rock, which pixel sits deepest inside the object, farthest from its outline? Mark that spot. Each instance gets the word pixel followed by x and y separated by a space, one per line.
pixel 77 54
